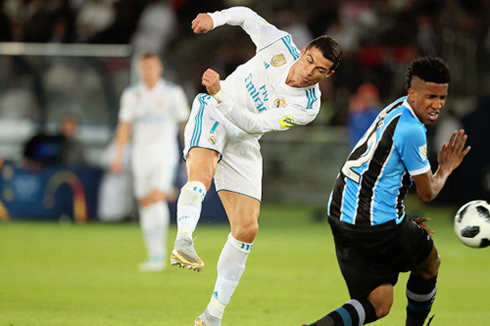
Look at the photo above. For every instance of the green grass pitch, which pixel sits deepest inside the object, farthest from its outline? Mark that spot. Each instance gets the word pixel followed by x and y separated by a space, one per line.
pixel 52 274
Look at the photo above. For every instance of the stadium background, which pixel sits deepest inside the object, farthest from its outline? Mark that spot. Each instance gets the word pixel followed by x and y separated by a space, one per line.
pixel 62 56
pixel 76 56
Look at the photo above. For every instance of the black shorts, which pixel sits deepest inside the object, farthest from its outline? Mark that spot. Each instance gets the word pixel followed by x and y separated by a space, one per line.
pixel 370 256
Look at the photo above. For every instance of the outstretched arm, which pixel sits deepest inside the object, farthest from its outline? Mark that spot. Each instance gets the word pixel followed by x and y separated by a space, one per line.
pixel 429 185
pixel 256 124
pixel 261 32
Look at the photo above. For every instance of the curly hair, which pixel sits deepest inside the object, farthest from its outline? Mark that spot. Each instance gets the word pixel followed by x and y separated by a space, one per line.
pixel 429 69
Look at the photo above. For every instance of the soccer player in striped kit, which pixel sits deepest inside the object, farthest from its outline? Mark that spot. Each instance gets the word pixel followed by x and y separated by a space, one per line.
pixel 274 91
pixel 375 240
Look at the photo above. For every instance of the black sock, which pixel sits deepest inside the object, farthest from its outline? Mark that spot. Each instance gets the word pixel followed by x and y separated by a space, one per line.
pixel 420 294
pixel 353 312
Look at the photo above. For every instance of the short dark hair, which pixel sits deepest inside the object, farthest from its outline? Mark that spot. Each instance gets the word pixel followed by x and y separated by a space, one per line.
pixel 429 69
pixel 329 48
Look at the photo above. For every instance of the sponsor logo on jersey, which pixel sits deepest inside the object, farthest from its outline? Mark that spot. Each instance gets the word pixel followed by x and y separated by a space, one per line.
pixel 259 96
pixel 423 152
pixel 286 122
pixel 278 60
pixel 212 140
pixel 279 102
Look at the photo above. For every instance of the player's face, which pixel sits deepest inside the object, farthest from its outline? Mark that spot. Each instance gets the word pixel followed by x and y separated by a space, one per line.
pixel 310 68
pixel 427 99
pixel 150 70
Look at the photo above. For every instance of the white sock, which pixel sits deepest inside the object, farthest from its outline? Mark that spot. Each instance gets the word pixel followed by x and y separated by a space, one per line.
pixel 154 221
pixel 189 207
pixel 231 264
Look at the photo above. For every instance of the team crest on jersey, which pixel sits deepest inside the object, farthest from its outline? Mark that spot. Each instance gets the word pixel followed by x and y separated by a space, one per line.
pixel 286 122
pixel 279 102
pixel 423 152
pixel 278 60
pixel 212 140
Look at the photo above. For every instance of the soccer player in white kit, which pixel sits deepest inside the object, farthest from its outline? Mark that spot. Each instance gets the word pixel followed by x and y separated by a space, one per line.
pixel 274 91
pixel 151 115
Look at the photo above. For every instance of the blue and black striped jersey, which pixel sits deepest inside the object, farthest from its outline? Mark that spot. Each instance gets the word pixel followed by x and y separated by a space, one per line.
pixel 375 178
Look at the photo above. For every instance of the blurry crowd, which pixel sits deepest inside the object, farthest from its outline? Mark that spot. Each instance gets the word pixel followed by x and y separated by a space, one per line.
pixel 378 37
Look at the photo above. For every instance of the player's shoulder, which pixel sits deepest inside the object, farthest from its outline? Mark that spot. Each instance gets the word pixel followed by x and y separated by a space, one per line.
pixel 132 89
pixel 281 53
pixel 409 126
pixel 169 85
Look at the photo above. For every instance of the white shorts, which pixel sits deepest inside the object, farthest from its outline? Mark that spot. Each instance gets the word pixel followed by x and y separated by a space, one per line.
pixel 154 174
pixel 240 166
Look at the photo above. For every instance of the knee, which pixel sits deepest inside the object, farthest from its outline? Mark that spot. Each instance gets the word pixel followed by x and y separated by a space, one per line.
pixel 383 309
pixel 382 299
pixel 246 232
pixel 430 271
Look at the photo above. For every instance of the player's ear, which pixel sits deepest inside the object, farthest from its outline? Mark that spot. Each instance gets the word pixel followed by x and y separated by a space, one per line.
pixel 303 50
pixel 411 94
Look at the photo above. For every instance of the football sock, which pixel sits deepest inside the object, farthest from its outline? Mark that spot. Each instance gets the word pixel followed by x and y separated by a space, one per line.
pixel 154 221
pixel 189 206
pixel 231 265
pixel 420 294
pixel 353 312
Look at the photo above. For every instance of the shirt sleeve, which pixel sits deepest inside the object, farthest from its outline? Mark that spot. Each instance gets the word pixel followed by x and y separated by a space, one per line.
pixel 272 120
pixel 126 105
pixel 261 32
pixel 411 143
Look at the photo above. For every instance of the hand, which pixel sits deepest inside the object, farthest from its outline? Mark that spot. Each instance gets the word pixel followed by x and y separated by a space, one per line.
pixel 116 166
pixel 210 80
pixel 452 153
pixel 420 222
pixel 203 23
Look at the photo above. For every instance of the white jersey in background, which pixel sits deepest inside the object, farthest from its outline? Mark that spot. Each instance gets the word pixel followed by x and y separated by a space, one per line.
pixel 154 115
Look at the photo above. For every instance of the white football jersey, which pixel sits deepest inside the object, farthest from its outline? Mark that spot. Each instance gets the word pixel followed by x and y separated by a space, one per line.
pixel 259 85
pixel 154 115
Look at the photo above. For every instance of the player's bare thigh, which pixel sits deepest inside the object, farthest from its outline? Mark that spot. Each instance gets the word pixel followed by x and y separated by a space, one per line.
pixel 201 165
pixel 243 214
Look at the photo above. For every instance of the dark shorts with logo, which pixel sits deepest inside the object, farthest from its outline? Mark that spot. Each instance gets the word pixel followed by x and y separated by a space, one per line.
pixel 370 256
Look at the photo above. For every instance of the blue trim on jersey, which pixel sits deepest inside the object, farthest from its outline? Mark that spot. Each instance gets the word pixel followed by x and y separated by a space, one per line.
pixel 374 180
pixel 292 49
pixel 196 134
pixel 312 98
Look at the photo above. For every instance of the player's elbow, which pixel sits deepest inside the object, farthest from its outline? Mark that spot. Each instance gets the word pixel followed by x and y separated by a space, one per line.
pixel 426 196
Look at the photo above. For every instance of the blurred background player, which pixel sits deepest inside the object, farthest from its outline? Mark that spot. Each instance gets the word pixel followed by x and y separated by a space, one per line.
pixel 151 114
pixel 374 238
pixel 274 91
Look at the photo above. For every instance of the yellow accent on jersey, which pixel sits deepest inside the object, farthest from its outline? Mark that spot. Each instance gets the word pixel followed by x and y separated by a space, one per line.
pixel 286 122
